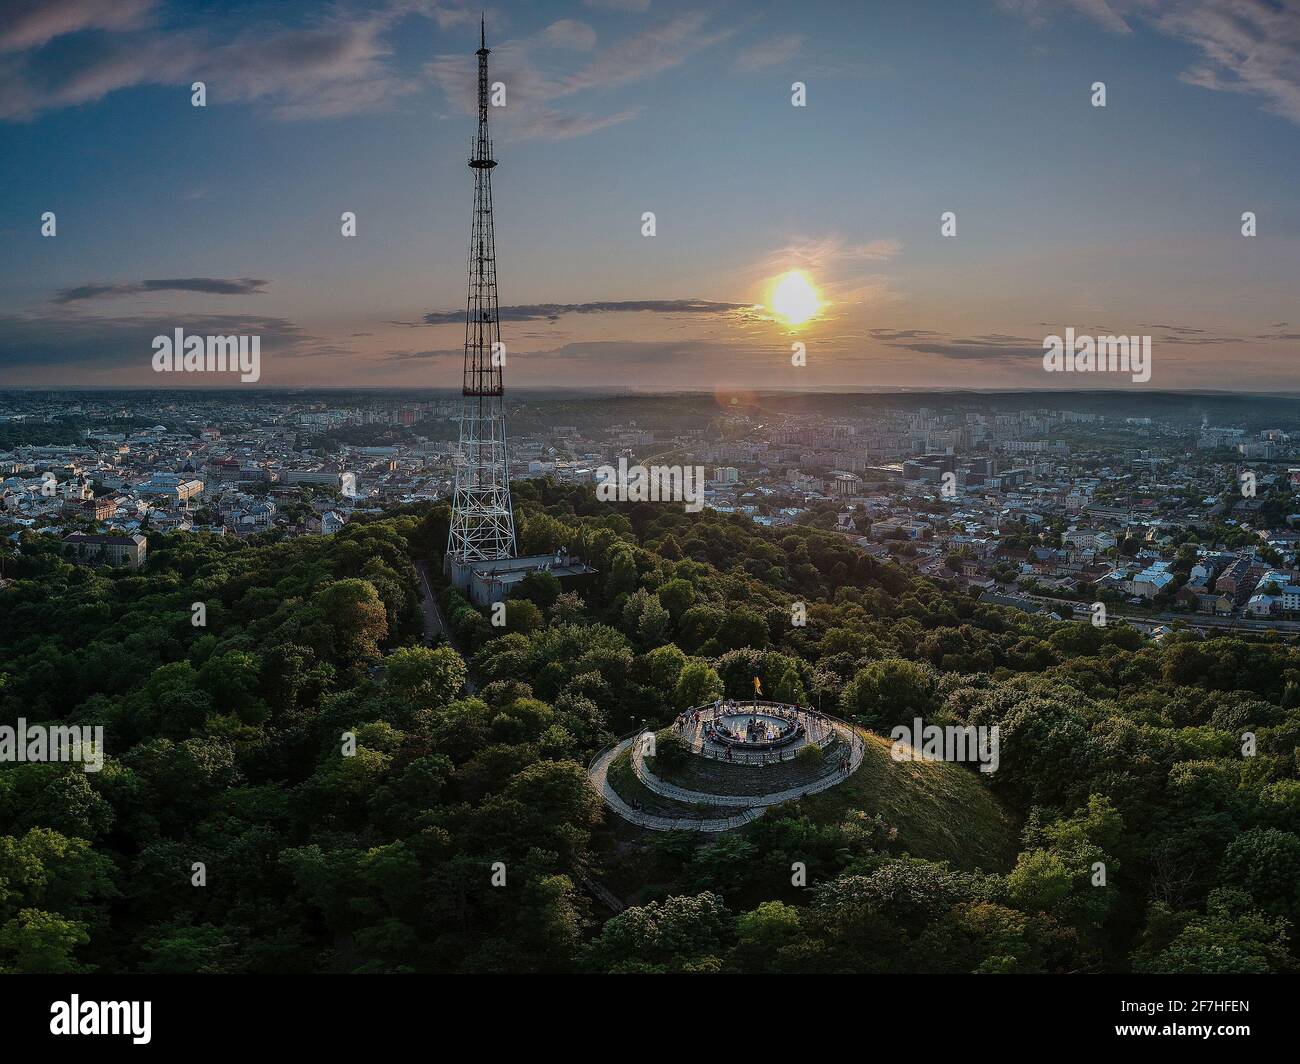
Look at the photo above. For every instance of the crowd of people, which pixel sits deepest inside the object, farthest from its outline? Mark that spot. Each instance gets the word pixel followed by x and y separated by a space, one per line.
pixel 768 728
pixel 760 733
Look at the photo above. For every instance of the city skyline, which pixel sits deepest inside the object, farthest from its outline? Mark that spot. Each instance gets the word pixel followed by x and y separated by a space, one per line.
pixel 649 487
pixel 226 218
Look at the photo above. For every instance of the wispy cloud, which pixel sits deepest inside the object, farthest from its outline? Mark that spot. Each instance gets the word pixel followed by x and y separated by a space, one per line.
pixel 421 356
pixel 32 23
pixel 991 347
pixel 540 71
pixel 618 5
pixel 560 125
pixel 769 53
pixel 1251 47
pixel 240 286
pixel 79 51
pixel 1037 12
pixel 555 311
pixel 570 33
pixel 1003 347
pixel 123 343
pixel 827 253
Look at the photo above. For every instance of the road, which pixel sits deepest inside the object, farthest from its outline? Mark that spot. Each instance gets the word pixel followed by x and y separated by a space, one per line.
pixel 1066 608
pixel 1199 621
pixel 435 625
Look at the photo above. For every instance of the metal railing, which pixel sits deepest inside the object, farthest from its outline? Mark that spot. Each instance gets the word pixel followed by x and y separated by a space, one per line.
pixel 826 737
pixel 702 821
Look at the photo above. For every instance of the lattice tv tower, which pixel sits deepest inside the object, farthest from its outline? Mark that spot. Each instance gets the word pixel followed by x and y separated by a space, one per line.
pixel 482 521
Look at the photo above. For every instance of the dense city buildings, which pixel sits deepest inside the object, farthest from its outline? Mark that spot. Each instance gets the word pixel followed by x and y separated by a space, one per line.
pixel 1050 502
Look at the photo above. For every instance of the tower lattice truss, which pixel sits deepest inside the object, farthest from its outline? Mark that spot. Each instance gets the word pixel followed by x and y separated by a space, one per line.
pixel 482 521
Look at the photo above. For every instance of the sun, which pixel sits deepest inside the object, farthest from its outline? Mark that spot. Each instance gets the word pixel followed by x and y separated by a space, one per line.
pixel 795 298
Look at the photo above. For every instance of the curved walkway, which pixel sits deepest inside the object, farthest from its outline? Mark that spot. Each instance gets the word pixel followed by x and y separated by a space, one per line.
pixel 752 806
pixel 679 794
pixel 598 774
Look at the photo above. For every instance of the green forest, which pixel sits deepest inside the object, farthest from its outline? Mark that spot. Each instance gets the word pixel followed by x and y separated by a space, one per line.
pixel 302 783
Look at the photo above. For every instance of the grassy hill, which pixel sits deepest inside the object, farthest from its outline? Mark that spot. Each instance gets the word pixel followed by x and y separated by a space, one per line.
pixel 942 811
pixel 623 779
pixel 719 777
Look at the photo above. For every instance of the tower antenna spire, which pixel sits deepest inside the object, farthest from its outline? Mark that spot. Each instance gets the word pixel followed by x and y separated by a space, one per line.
pixel 482 30
pixel 482 520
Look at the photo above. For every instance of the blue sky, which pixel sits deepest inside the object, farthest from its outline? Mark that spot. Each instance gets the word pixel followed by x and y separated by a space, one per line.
pixel 1121 219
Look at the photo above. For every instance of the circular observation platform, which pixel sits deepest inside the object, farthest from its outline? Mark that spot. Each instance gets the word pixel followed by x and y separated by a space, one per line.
pixel 752 732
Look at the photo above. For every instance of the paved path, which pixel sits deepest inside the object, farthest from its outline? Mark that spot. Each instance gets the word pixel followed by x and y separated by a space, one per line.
pixel 435 625
pixel 598 774
pixel 603 894
pixel 680 794
pixel 752 807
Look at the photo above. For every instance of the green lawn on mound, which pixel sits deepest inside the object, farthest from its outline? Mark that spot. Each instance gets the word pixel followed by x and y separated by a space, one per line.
pixel 623 779
pixel 709 776
pixel 942 811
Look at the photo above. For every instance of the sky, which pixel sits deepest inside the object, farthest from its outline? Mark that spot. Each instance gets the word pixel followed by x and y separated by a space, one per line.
pixel 1122 219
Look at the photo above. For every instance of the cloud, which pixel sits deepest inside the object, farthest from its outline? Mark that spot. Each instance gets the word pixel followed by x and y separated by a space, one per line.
pixel 619 5
pixel 1250 47
pixel 335 62
pixel 874 250
pixel 821 254
pixel 569 33
pixel 417 356
pixel 318 72
pixel 769 53
pixel 328 67
pixel 659 47
pixel 448 14
pixel 557 125
pixel 896 335
pixel 1197 341
pixel 1037 12
pixel 1002 347
pixel 241 286
pixel 32 23
pixel 991 347
pixel 1185 334
pixel 540 71
pixel 124 344
pixel 554 311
